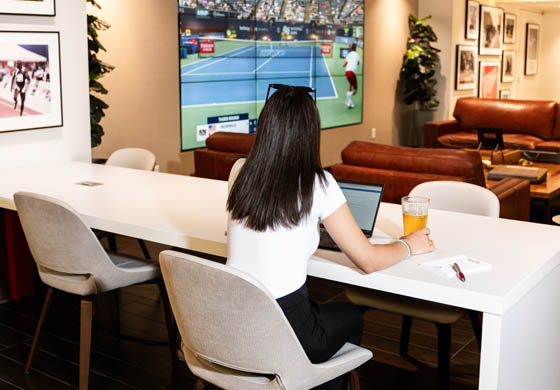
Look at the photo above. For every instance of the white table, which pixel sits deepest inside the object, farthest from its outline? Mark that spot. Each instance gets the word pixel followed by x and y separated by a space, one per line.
pixel 520 335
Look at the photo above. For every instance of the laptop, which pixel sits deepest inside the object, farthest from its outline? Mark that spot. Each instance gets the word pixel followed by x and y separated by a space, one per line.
pixel 363 201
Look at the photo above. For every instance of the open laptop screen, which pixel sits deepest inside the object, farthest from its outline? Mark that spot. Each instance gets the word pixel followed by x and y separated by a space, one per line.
pixel 363 200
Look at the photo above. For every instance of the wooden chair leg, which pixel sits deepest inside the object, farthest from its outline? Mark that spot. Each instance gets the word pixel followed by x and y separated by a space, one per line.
pixel 144 249
pixel 115 313
pixel 42 318
pixel 444 356
pixel 169 320
pixel 86 316
pixel 477 326
pixel 406 327
pixel 112 240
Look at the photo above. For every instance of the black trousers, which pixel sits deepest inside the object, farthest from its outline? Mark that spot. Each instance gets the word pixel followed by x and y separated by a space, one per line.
pixel 322 329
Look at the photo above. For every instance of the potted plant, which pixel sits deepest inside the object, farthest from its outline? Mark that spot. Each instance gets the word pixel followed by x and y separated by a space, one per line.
pixel 420 62
pixel 97 69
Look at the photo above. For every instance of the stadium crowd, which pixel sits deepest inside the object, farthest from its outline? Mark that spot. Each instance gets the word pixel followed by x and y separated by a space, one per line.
pixel 295 11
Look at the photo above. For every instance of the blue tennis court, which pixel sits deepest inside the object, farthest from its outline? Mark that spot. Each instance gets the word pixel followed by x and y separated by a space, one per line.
pixel 242 75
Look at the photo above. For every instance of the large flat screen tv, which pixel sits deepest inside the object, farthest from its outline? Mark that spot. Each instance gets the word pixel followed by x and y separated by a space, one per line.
pixel 231 50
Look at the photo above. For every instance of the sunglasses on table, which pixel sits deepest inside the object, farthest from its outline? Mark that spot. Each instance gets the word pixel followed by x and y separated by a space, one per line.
pixel 278 86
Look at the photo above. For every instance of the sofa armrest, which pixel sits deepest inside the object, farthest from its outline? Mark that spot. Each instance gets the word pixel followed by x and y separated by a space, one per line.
pixel 515 198
pixel 433 130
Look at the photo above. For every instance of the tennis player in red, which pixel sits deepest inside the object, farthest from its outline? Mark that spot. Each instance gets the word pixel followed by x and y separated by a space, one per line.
pixel 351 66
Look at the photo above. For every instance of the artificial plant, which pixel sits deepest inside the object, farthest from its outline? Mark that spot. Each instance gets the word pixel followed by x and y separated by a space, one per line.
pixel 419 65
pixel 97 69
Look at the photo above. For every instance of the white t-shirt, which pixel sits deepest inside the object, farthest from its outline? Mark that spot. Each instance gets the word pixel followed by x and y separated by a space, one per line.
pixel 278 259
pixel 352 59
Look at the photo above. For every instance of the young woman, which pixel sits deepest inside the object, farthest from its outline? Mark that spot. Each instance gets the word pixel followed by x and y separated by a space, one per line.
pixel 277 198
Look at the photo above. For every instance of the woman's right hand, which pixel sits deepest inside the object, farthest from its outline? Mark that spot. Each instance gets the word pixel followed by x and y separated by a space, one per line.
pixel 419 241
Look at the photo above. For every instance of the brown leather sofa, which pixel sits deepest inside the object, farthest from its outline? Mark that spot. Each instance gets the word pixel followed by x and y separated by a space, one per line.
pixel 221 152
pixel 526 124
pixel 401 169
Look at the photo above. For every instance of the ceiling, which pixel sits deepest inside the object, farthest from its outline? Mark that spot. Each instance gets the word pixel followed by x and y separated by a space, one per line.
pixel 534 5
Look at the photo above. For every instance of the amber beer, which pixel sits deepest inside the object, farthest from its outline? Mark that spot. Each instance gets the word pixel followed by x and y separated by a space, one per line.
pixel 415 213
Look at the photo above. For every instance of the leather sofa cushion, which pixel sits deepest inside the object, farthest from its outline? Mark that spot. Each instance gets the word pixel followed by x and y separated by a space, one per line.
pixel 445 162
pixel 549 146
pixel 461 139
pixel 469 139
pixel 231 142
pixel 512 116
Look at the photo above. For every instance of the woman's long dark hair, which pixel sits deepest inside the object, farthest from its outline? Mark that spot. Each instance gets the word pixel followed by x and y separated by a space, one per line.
pixel 275 185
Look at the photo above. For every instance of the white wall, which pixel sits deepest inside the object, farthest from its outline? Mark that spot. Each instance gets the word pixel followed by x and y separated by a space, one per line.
pixel 550 80
pixel 72 140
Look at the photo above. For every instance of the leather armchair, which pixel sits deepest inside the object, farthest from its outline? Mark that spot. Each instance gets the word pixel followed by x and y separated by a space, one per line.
pixel 221 152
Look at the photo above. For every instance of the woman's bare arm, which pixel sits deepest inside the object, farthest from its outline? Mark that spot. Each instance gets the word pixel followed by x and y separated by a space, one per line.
pixel 344 230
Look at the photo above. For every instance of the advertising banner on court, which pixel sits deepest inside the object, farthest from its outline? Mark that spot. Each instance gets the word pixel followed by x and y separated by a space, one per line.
pixel 206 47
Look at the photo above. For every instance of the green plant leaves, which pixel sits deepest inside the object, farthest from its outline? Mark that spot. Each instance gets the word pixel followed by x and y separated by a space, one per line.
pixel 420 62
pixel 97 69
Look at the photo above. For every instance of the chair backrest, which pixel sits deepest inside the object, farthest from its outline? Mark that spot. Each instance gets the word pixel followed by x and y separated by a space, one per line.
pixel 460 197
pixel 228 318
pixel 59 239
pixel 135 158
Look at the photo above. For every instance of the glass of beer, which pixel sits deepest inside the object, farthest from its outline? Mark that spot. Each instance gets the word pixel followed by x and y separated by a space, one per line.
pixel 415 213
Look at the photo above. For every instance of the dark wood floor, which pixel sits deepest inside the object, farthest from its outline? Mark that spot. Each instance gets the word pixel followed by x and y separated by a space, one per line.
pixel 145 364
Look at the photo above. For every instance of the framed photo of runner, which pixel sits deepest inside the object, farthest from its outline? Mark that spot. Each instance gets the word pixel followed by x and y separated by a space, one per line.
pixel 28 7
pixel 488 79
pixel 30 82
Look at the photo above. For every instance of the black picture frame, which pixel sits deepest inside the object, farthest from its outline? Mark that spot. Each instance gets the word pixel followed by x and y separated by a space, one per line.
pixel 31 82
pixel 472 15
pixel 532 43
pixel 26 7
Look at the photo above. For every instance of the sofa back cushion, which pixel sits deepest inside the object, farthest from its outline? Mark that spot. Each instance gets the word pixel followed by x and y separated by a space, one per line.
pixel 238 143
pixel 401 168
pixel 556 132
pixel 535 117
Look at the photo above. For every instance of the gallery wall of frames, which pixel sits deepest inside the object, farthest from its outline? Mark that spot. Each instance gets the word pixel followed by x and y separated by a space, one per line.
pixel 44 104
pixel 499 51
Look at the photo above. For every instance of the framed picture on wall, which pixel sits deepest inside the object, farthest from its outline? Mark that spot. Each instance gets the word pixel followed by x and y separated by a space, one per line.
pixel 465 70
pixel 471 19
pixel 505 94
pixel 28 7
pixel 30 84
pixel 532 48
pixel 508 66
pixel 510 28
pixel 488 79
pixel 491 30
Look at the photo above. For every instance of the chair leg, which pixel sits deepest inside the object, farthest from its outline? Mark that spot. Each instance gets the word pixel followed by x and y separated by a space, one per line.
pixel 144 249
pixel 86 316
pixel 42 318
pixel 112 240
pixel 477 326
pixel 406 327
pixel 444 356
pixel 169 320
pixel 115 313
